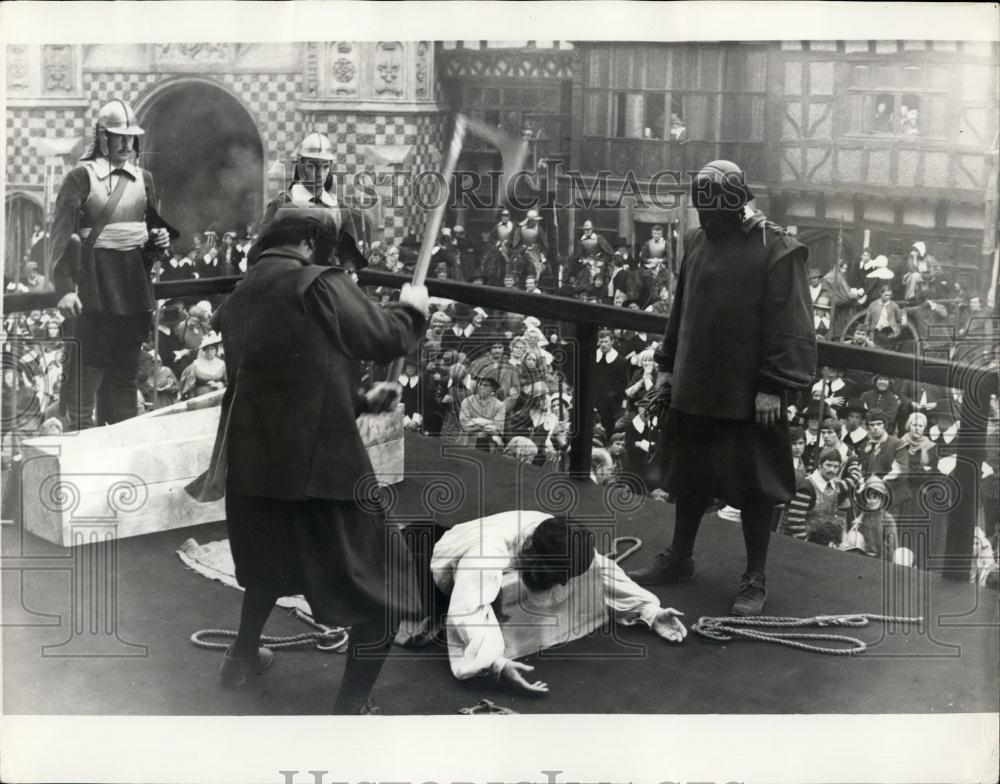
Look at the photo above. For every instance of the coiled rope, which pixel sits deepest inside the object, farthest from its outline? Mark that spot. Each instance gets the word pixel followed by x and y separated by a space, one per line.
pixel 618 557
pixel 726 629
pixel 325 638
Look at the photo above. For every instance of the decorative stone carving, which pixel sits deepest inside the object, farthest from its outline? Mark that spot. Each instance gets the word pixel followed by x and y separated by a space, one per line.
pixel 17 67
pixel 501 64
pixel 188 53
pixel 384 157
pixel 115 58
pixel 423 70
pixel 57 68
pixel 312 69
pixel 389 68
pixel 343 69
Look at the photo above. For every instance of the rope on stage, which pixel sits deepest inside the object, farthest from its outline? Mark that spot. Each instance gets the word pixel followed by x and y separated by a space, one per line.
pixel 725 629
pixel 325 638
pixel 618 557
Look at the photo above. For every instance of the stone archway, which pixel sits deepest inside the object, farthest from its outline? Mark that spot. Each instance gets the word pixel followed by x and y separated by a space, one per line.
pixel 206 156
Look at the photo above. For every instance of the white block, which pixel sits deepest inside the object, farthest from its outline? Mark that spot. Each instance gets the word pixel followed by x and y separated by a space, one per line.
pixel 135 471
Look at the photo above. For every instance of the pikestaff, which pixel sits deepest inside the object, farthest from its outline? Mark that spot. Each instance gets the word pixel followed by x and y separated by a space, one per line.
pixel 836 277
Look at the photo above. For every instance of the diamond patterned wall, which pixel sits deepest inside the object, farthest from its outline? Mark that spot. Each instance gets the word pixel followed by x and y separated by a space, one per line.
pixel 272 100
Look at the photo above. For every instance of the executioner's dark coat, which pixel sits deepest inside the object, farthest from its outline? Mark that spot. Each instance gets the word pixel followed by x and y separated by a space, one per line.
pixel 297 465
pixel 292 333
pixel 740 324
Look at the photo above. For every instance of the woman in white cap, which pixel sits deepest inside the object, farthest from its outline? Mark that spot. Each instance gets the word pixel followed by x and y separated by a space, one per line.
pixel 922 269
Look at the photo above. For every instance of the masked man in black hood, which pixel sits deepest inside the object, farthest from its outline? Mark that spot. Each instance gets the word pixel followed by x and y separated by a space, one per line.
pixel 739 343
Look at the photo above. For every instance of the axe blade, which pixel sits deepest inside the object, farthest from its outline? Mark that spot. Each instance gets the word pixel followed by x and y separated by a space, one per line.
pixel 513 151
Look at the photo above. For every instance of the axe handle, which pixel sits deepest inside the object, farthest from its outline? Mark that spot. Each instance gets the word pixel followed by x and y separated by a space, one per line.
pixel 433 227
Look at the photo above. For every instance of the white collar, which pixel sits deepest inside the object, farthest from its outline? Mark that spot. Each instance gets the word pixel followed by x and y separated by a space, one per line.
pixel 102 168
pixel 611 356
pixel 948 435
pixel 819 481
pixel 409 381
pixel 300 194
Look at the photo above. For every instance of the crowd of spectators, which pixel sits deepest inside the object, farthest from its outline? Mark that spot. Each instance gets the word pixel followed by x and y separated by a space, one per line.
pixel 867 447
pixel 864 446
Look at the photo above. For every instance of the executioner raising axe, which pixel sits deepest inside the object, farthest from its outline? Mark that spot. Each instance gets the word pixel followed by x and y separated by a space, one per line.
pixel 513 152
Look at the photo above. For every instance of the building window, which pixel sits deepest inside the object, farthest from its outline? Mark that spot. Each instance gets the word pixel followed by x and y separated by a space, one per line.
pixel 662 96
pixel 678 127
pixel 898 100
pixel 656 118
pixel 706 93
pixel 618 115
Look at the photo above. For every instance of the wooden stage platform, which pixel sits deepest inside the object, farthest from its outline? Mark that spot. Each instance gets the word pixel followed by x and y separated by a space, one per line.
pixel 128 653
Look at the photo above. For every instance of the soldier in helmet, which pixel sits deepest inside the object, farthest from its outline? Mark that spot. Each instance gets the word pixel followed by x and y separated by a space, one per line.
pixel 738 345
pixel 312 187
pixel 592 249
pixel 106 234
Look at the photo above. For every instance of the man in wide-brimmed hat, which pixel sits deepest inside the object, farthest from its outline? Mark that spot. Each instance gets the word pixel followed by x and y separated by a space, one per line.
pixel 459 334
pixel 167 343
pixel 232 258
pixel 821 317
pixel 815 284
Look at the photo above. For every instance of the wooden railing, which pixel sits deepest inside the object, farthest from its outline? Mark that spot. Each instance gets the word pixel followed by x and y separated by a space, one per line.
pixel 977 383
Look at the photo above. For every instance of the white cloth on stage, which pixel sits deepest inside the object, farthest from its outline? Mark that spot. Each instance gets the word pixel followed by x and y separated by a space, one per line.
pixel 473 561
